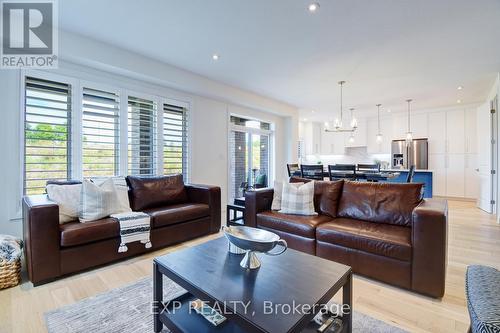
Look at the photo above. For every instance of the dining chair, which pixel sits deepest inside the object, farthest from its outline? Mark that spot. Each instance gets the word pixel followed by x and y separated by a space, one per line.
pixel 411 174
pixel 370 171
pixel 314 172
pixel 342 171
pixel 293 170
pixel 369 167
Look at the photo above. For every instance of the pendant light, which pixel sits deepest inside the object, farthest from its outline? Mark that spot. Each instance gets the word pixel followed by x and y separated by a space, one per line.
pixel 338 122
pixel 354 121
pixel 351 138
pixel 409 134
pixel 379 134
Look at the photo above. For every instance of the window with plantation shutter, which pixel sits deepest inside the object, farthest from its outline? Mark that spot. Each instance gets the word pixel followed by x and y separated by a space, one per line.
pixel 47 133
pixel 100 130
pixel 175 140
pixel 141 136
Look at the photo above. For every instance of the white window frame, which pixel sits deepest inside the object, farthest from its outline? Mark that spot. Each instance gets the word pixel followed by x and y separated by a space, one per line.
pixel 156 93
pixel 187 106
pixel 155 99
pixel 79 128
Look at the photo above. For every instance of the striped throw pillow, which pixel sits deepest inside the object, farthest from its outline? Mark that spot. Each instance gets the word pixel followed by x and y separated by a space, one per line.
pixel 98 201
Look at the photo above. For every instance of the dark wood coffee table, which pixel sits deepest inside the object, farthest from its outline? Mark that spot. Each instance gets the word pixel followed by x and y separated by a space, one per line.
pixel 210 273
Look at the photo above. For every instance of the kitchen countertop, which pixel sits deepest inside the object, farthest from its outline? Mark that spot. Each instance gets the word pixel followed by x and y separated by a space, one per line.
pixel 405 170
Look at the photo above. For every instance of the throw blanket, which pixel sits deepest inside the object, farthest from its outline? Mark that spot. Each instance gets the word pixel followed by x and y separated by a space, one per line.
pixel 10 248
pixel 134 226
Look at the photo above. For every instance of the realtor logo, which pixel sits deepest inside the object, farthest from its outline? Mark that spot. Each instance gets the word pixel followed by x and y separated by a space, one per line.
pixel 29 34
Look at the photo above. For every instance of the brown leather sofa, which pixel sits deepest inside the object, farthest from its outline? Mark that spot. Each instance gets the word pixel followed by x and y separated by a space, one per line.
pixel 177 214
pixel 384 231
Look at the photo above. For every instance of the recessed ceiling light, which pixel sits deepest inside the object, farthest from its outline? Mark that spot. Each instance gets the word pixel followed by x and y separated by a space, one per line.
pixel 215 56
pixel 305 119
pixel 460 88
pixel 312 111
pixel 459 101
pixel 313 7
pixel 389 110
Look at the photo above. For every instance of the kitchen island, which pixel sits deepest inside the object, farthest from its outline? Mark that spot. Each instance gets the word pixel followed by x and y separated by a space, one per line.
pixel 421 176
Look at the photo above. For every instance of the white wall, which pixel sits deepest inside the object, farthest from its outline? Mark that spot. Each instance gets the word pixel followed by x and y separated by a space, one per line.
pixel 10 163
pixel 211 103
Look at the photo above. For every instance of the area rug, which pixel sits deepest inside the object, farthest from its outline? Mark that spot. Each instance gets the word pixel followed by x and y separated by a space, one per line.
pixel 128 310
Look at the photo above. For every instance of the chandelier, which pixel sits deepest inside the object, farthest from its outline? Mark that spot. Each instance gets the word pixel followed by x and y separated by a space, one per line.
pixel 338 123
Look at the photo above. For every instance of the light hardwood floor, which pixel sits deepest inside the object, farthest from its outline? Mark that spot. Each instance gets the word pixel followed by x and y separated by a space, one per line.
pixel 474 238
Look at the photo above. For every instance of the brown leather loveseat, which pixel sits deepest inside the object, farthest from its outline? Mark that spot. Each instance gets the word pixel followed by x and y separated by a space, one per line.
pixel 177 214
pixel 385 231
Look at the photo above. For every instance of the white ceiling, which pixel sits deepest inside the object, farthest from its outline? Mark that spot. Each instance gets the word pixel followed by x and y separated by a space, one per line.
pixel 386 50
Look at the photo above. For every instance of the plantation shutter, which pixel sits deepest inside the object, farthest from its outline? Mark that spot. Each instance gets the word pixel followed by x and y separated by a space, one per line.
pixel 47 127
pixel 175 140
pixel 100 129
pixel 141 136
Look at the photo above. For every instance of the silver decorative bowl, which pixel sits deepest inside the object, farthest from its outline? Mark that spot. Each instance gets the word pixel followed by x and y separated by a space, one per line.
pixel 253 240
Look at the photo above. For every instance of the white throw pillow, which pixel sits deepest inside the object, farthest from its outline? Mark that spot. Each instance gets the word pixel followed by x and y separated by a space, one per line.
pixel 298 200
pixel 67 198
pixel 123 203
pixel 98 202
pixel 277 194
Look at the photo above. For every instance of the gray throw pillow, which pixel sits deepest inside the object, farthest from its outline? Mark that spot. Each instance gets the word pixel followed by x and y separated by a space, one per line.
pixel 298 200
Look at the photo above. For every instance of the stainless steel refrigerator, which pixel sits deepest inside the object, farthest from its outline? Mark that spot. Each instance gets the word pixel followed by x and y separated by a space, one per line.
pixel 404 156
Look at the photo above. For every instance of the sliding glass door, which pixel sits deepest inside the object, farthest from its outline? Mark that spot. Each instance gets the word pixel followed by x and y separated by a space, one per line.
pixel 249 145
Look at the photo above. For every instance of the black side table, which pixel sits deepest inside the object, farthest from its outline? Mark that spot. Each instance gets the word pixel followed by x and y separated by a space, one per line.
pixel 232 212
pixel 232 215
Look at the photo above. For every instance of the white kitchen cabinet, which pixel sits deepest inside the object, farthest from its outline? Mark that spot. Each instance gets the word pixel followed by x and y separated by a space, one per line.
pixel 332 143
pixel 399 126
pixel 437 163
pixel 419 126
pixel 437 132
pixel 372 147
pixel 455 132
pixel 452 141
pixel 311 135
pixel 471 176
pixel 455 175
pixel 386 130
pixel 471 131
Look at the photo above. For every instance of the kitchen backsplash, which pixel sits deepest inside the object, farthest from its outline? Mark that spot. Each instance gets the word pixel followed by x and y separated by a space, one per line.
pixel 352 155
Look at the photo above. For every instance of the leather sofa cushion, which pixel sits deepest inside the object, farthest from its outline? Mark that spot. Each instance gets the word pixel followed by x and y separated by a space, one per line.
pixel 77 233
pixel 326 195
pixel 380 202
pixel 377 238
pixel 173 214
pixel 150 192
pixel 300 225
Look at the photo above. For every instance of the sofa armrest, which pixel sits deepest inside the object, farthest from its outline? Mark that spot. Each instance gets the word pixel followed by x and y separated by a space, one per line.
pixel 209 195
pixel 42 238
pixel 430 243
pixel 257 201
